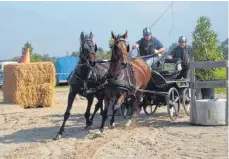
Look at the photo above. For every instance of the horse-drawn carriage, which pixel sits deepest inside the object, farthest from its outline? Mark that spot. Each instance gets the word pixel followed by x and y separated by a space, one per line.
pixel 164 89
pixel 118 79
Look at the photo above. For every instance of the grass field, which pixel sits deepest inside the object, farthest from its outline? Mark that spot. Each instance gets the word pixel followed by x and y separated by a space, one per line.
pixel 62 85
pixel 221 74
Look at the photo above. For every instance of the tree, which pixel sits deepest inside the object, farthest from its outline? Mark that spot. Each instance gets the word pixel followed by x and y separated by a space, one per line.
pixel 75 53
pixel 225 49
pixel 17 59
pixel 36 57
pixel 67 54
pixel 205 47
pixel 46 57
pixel 172 46
pixel 27 45
pixel 111 42
pixel 225 52
pixel 100 50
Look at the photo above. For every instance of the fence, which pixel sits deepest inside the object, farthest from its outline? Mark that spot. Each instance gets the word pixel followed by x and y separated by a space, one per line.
pixel 206 84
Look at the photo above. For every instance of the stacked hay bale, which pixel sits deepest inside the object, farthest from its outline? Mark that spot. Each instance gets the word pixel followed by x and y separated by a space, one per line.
pixel 30 85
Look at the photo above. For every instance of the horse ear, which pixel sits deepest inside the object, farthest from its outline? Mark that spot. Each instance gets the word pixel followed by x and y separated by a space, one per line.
pixel 91 35
pixel 125 35
pixel 113 36
pixel 82 36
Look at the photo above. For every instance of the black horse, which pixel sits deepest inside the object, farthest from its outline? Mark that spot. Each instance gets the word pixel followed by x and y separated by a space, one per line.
pixel 88 74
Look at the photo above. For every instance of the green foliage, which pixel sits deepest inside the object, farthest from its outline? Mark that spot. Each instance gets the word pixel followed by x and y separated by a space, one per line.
pixel 111 42
pixel 36 58
pixel 75 53
pixel 225 52
pixel 221 74
pixel 27 45
pixel 101 54
pixel 67 53
pixel 205 47
pixel 100 50
pixel 172 46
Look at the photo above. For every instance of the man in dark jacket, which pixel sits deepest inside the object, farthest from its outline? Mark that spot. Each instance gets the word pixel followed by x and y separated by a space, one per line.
pixel 149 45
pixel 183 52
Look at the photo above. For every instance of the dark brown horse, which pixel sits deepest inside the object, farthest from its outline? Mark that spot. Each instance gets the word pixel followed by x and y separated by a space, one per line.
pixel 88 74
pixel 125 78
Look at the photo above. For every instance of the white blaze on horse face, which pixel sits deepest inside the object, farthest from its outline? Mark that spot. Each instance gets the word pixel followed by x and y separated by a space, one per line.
pixel 123 44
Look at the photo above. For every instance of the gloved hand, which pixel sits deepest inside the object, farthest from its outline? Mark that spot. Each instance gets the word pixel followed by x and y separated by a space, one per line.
pixel 156 51
pixel 135 46
pixel 169 57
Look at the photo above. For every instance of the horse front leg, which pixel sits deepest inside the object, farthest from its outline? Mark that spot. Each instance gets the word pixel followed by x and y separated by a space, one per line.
pixel 115 108
pixel 105 116
pixel 100 97
pixel 98 105
pixel 135 105
pixel 90 100
pixel 71 97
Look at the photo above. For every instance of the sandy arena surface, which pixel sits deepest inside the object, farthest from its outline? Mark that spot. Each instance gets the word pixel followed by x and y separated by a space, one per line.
pixel 27 134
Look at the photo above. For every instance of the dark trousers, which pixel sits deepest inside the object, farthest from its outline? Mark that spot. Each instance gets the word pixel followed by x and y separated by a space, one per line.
pixel 185 73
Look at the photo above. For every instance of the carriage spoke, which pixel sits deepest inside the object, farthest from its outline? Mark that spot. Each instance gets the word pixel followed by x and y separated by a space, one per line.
pixel 176 112
pixel 172 95
pixel 187 99
pixel 176 100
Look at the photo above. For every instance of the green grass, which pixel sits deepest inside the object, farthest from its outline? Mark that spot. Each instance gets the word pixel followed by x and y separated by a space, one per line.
pixel 62 85
pixel 221 75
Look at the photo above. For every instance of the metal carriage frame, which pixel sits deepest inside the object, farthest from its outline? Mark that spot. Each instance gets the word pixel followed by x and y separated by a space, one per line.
pixel 164 91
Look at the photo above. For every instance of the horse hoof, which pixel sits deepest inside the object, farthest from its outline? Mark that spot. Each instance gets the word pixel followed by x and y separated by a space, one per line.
pixel 101 130
pixel 89 123
pixel 128 123
pixel 87 127
pixel 57 137
pixel 111 126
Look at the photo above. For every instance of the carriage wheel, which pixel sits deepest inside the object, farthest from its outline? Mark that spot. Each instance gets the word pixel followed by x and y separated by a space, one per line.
pixel 150 109
pixel 186 98
pixel 173 103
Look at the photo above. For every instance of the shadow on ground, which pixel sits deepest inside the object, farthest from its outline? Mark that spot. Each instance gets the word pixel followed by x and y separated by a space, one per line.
pixel 75 127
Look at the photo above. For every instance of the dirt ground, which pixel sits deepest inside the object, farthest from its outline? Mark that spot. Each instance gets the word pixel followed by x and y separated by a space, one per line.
pixel 28 134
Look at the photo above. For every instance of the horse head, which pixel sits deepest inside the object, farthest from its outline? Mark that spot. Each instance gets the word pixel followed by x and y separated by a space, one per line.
pixel 88 48
pixel 120 48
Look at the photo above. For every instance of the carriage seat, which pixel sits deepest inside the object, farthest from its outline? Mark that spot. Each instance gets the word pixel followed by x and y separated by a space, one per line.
pixel 170 68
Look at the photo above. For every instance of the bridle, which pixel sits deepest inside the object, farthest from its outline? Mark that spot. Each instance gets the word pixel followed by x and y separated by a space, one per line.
pixel 87 48
pixel 124 42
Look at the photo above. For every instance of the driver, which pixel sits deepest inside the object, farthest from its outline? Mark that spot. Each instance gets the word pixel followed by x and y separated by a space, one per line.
pixel 149 45
pixel 183 52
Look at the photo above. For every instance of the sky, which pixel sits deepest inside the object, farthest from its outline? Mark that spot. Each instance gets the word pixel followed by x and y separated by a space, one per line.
pixel 54 27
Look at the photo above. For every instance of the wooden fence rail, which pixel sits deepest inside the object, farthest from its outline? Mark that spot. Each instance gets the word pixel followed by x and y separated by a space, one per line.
pixel 206 84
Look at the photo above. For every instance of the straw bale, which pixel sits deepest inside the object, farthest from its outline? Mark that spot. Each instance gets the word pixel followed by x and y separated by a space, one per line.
pixel 29 85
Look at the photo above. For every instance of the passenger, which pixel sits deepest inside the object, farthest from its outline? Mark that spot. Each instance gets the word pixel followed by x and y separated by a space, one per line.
pixel 183 52
pixel 149 45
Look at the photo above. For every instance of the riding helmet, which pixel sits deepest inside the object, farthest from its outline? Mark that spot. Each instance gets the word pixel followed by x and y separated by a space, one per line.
pixel 182 39
pixel 146 31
